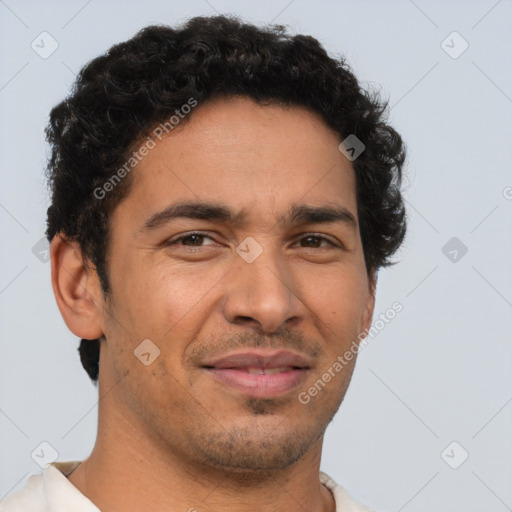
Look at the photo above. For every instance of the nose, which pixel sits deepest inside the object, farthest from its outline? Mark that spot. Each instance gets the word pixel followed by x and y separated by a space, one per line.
pixel 263 294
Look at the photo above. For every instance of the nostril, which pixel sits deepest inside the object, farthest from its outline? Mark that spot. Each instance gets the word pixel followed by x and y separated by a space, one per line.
pixel 245 320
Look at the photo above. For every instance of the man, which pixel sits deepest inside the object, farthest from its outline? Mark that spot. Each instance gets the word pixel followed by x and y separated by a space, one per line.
pixel 223 197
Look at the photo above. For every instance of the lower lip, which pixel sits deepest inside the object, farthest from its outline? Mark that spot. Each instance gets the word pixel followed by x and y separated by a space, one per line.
pixel 260 386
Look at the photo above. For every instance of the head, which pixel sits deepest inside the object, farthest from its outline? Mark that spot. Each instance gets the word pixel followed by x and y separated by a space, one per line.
pixel 239 127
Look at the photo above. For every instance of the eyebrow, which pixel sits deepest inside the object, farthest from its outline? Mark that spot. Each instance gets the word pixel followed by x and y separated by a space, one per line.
pixel 298 214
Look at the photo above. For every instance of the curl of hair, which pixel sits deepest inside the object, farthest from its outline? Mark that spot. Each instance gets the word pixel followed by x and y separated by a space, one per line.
pixel 119 97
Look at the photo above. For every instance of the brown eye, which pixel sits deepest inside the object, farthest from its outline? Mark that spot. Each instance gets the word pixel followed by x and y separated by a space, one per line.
pixel 194 239
pixel 190 240
pixel 314 241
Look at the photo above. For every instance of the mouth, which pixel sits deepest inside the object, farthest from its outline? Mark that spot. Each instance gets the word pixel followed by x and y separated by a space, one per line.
pixel 260 374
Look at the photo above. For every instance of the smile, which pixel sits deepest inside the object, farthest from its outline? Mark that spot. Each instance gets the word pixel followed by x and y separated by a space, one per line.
pixel 260 374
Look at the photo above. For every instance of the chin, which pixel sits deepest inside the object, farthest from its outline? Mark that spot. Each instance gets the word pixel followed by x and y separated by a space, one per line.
pixel 250 458
pixel 260 445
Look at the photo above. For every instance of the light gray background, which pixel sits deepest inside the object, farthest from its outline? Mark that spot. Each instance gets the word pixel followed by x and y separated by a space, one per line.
pixel 439 372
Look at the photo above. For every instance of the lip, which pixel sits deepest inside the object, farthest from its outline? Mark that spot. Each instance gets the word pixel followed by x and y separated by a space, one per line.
pixel 232 370
pixel 260 358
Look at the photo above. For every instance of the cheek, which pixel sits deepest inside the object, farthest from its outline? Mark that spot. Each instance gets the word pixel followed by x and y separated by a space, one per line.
pixel 159 299
pixel 337 299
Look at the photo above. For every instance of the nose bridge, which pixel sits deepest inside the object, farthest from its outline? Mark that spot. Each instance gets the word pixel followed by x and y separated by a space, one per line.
pixel 263 290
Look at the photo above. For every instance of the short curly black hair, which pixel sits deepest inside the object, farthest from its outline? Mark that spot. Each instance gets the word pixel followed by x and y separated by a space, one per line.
pixel 119 97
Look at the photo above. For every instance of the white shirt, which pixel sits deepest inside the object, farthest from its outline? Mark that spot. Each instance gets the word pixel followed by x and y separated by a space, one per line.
pixel 51 491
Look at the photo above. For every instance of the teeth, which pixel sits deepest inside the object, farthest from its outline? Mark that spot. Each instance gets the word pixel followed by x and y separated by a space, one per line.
pixel 255 371
pixel 268 371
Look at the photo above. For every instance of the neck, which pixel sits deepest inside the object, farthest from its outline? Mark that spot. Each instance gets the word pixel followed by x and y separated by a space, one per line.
pixel 129 472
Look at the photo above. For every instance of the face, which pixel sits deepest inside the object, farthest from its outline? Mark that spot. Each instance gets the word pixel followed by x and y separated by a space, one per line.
pixel 249 297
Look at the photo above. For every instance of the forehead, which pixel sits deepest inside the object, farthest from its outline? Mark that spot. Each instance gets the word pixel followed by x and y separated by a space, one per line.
pixel 257 158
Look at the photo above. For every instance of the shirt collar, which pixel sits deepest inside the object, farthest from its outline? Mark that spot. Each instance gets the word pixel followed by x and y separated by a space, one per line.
pixel 60 493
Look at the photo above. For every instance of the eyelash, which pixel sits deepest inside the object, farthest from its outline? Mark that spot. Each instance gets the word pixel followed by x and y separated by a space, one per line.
pixel 173 241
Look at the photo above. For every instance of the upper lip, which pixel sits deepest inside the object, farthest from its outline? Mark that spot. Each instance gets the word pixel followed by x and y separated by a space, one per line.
pixel 260 359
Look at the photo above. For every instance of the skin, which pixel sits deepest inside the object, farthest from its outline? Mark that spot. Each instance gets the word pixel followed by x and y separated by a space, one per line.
pixel 171 437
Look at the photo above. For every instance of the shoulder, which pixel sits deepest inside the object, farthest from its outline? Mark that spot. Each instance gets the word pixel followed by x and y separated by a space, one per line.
pixel 343 500
pixel 45 491
pixel 30 497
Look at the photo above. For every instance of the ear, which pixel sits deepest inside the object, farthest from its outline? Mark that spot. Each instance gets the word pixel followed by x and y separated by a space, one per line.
pixel 370 302
pixel 77 289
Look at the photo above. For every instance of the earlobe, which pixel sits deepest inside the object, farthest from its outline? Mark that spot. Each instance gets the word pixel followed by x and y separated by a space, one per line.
pixel 77 289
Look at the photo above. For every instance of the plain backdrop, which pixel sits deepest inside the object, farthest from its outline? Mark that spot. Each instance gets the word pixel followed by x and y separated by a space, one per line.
pixel 426 424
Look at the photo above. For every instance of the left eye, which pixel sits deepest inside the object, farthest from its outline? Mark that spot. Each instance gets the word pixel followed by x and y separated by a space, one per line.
pixel 194 237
